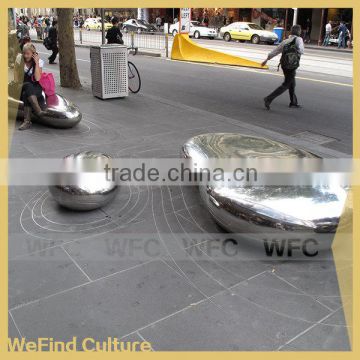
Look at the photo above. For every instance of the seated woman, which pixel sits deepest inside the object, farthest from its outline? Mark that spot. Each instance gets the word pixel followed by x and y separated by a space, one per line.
pixel 28 71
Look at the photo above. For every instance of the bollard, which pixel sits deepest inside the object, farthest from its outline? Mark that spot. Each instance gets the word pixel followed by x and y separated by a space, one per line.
pixel 132 36
pixel 81 36
pixel 166 45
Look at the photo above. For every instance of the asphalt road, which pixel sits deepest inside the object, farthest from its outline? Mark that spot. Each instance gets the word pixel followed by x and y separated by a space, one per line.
pixel 238 93
pixel 330 62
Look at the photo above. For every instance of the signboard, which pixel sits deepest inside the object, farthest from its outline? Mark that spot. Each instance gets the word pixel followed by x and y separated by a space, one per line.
pixel 185 18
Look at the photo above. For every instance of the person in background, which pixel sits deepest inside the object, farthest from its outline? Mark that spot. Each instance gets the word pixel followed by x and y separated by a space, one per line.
pixel 47 27
pixel 308 28
pixel 206 20
pixel 23 41
pixel 28 70
pixel 22 29
pixel 43 26
pixel 328 29
pixel 37 28
pixel 343 32
pixel 40 27
pixel 53 35
pixel 114 35
pixel 294 45
pixel 158 22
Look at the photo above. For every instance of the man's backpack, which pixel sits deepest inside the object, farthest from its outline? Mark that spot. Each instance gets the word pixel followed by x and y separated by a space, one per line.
pixel 290 59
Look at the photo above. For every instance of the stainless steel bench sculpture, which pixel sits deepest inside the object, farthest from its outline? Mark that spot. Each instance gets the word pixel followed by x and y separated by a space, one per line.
pixel 84 186
pixel 62 114
pixel 266 212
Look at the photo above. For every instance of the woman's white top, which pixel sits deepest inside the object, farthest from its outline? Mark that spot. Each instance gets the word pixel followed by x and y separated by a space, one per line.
pixel 41 64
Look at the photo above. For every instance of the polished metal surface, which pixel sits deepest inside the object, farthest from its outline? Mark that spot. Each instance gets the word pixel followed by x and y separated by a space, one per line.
pixel 84 185
pixel 234 145
pixel 61 113
pixel 300 208
pixel 262 211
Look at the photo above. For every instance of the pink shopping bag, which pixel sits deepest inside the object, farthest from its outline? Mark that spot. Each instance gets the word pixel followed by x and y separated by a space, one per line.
pixel 47 82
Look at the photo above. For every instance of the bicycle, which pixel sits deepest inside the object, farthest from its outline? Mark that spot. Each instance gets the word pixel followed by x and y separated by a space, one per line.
pixel 134 80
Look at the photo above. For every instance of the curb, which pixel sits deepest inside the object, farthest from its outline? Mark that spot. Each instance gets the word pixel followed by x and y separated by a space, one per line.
pixel 329 49
pixel 323 48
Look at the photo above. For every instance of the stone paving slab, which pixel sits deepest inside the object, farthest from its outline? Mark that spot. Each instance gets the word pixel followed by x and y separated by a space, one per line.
pixel 233 323
pixel 188 296
pixel 328 334
pixel 35 276
pixel 113 306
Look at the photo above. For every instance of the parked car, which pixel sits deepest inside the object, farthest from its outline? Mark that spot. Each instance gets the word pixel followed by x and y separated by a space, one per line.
pixel 246 31
pixel 196 30
pixel 138 26
pixel 95 24
pixel 150 27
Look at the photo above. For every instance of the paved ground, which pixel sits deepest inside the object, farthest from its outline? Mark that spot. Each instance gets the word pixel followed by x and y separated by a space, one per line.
pixel 79 274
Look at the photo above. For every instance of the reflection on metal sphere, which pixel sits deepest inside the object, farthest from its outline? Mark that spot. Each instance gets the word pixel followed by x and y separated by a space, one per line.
pixel 84 185
pixel 272 212
pixel 62 114
pixel 233 145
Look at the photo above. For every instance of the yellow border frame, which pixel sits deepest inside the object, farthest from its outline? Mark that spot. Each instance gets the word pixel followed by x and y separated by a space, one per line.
pixel 351 251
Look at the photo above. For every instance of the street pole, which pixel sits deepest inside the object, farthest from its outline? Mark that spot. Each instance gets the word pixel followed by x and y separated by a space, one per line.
pixel 295 16
pixel 320 40
pixel 102 27
pixel 285 23
pixel 166 45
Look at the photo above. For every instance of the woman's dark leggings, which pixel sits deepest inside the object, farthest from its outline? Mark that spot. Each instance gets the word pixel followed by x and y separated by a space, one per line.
pixel 29 89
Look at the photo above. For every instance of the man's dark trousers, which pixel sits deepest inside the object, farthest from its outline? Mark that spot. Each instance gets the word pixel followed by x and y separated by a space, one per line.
pixel 55 51
pixel 288 84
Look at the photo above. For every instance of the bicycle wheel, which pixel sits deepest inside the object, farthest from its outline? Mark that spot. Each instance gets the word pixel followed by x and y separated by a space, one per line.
pixel 134 78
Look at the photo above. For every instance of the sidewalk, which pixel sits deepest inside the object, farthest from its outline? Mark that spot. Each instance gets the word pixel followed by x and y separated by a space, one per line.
pixel 327 48
pixel 67 276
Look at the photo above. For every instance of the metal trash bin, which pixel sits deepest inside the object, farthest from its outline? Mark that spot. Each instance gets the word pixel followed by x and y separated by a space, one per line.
pixel 109 71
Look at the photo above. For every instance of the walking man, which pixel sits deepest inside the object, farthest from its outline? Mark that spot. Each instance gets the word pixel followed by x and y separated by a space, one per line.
pixel 328 29
pixel 53 41
pixel 291 50
pixel 343 31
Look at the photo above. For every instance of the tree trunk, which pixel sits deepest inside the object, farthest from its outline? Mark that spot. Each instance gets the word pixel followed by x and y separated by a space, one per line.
pixel 69 76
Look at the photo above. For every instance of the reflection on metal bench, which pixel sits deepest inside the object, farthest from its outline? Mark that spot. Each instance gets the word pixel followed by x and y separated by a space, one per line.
pixel 84 186
pixel 273 212
pixel 62 113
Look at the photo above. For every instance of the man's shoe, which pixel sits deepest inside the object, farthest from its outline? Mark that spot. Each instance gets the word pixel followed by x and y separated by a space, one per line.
pixel 52 63
pixel 296 106
pixel 267 104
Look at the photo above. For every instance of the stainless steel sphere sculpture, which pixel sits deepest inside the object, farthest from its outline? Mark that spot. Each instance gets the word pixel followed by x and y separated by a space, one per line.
pixel 258 211
pixel 85 186
pixel 62 113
